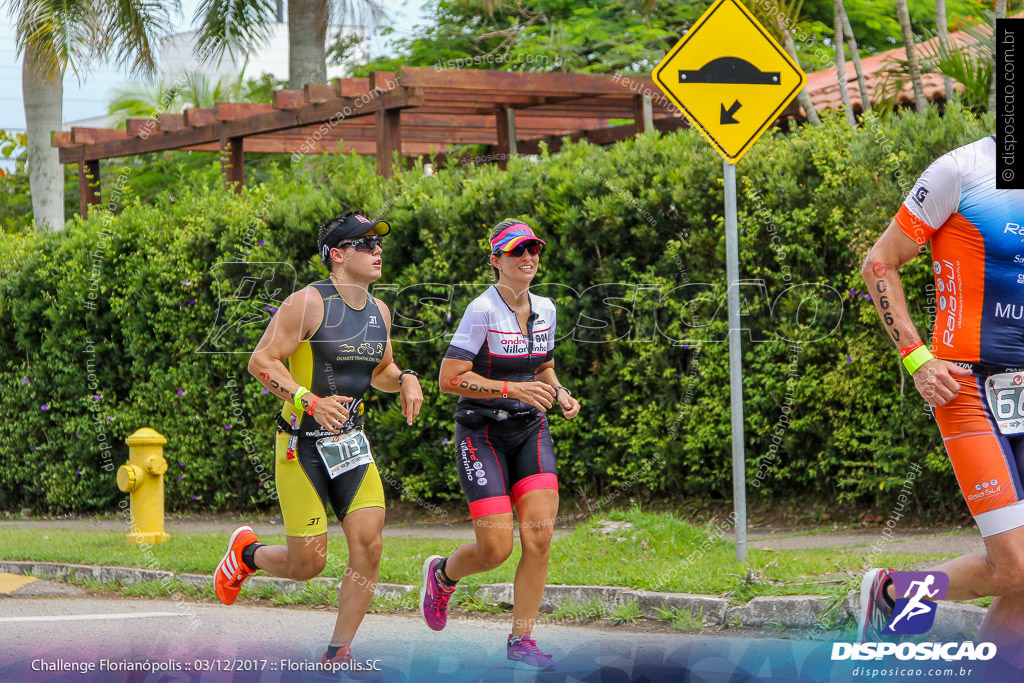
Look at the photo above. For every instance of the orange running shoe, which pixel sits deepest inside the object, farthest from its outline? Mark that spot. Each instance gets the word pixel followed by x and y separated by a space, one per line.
pixel 232 571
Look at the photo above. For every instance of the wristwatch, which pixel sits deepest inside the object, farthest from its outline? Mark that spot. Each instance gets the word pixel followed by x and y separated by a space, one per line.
pixel 406 372
pixel 560 387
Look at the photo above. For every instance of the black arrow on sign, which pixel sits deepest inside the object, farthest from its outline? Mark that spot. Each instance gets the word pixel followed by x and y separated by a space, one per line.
pixel 727 113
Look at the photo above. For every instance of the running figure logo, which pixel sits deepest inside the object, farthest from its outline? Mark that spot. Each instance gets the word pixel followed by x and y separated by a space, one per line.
pixel 916 593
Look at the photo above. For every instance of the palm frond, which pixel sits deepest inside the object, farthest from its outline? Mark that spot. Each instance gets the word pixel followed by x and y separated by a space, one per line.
pixel 143 100
pixel 235 26
pixel 132 28
pixel 968 59
pixel 368 13
pixel 54 34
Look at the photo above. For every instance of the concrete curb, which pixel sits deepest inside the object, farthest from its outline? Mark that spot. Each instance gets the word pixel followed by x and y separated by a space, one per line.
pixel 953 621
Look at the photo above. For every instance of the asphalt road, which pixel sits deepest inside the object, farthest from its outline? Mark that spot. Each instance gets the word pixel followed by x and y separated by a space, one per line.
pixel 55 639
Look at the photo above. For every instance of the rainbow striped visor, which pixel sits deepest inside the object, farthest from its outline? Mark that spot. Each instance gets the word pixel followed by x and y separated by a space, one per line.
pixel 512 236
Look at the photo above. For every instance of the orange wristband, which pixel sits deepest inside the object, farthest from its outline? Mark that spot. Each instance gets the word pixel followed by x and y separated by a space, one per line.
pixel 312 406
pixel 504 389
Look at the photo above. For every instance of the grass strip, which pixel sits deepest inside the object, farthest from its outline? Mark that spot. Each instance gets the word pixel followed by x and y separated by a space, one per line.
pixel 648 551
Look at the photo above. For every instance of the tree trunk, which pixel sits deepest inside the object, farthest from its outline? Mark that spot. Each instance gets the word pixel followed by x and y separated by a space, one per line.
pixel 903 14
pixel 307 35
pixel 803 97
pixel 43 99
pixel 844 92
pixel 1000 14
pixel 865 97
pixel 941 25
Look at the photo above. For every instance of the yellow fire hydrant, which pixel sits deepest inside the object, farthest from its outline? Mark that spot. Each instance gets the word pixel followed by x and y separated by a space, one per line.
pixel 143 477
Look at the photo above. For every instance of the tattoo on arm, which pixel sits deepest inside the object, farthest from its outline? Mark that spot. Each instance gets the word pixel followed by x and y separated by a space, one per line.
pixel 466 384
pixel 274 384
pixel 883 304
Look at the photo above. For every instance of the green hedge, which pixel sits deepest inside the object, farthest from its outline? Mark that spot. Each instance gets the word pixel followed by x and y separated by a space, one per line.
pixel 146 318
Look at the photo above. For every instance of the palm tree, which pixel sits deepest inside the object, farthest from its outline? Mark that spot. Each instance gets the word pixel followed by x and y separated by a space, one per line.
pixel 865 97
pixel 943 29
pixel 969 60
pixel 903 14
pixel 243 25
pixel 784 15
pixel 837 38
pixel 52 35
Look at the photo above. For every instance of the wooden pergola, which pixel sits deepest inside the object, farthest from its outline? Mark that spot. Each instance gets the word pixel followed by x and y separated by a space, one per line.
pixel 424 111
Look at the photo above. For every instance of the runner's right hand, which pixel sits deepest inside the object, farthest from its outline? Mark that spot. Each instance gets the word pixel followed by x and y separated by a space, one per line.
pixel 540 395
pixel 936 381
pixel 331 413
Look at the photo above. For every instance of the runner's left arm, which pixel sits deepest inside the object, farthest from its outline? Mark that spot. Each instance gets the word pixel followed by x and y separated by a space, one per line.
pixel 387 373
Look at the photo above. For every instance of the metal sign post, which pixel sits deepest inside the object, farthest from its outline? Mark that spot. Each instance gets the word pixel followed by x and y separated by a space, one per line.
pixel 732 80
pixel 732 270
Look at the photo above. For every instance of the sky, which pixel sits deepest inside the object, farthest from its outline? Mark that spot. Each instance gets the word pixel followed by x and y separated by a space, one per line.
pixel 90 96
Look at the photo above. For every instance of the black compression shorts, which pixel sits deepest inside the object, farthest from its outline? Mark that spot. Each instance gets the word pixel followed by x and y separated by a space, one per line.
pixel 503 459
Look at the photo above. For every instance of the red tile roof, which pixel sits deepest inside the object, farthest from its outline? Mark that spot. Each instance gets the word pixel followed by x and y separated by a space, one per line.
pixel 823 86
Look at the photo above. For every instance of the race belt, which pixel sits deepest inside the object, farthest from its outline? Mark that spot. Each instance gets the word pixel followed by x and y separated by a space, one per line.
pixel 318 433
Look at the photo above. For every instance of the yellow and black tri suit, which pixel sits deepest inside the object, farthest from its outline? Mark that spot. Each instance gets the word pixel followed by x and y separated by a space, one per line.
pixel 338 359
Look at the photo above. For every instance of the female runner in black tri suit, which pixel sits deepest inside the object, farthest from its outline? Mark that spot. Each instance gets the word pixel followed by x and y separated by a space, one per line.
pixel 501 364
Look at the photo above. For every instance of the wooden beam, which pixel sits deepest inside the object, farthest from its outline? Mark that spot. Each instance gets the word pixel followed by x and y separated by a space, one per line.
pixel 623 110
pixel 289 99
pixel 169 122
pixel 88 185
pixel 290 146
pixel 88 136
pixel 413 118
pixel 525 82
pixel 233 163
pixel 352 87
pixel 600 136
pixel 142 127
pixel 316 93
pixel 400 98
pixel 643 116
pixel 389 139
pixel 505 124
pixel 60 138
pixel 383 80
pixel 226 111
pixel 200 117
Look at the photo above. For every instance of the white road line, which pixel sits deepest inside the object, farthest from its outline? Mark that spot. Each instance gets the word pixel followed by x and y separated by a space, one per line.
pixel 87 617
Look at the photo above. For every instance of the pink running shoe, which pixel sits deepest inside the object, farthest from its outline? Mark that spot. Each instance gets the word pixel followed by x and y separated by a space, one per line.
pixel 434 596
pixel 875 606
pixel 524 650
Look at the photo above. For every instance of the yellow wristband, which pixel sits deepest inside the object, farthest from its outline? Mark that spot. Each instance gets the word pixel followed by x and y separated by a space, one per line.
pixel 916 358
pixel 299 393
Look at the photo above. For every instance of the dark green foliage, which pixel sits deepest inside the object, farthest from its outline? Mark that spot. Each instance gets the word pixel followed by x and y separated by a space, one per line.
pixel 172 312
pixel 632 36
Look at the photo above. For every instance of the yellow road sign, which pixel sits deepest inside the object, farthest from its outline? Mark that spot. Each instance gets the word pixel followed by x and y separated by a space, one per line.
pixel 730 77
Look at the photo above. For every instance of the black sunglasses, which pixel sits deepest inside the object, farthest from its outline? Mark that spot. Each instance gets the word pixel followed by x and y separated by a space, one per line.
pixel 367 244
pixel 533 247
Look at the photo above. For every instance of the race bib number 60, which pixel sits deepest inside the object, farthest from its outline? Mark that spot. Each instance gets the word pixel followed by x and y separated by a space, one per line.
pixel 1005 394
pixel 344 452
